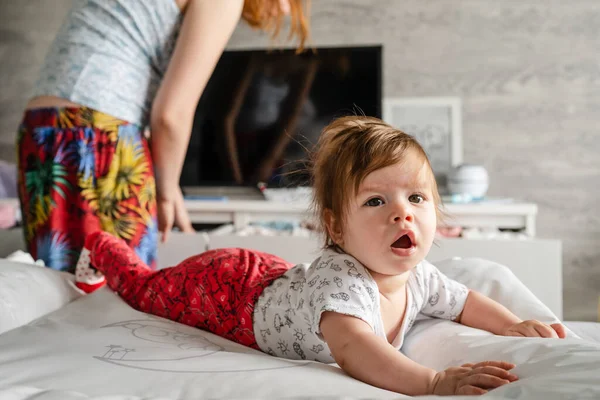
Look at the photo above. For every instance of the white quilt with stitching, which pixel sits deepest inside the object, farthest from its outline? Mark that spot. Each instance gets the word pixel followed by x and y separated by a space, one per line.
pixel 97 347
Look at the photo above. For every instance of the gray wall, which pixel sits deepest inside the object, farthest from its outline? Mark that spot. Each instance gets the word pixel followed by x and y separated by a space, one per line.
pixel 27 28
pixel 527 71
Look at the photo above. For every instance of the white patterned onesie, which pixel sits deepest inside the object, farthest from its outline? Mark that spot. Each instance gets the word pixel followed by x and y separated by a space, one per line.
pixel 288 312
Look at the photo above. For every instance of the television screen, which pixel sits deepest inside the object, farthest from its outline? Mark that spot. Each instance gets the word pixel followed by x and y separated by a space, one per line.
pixel 262 112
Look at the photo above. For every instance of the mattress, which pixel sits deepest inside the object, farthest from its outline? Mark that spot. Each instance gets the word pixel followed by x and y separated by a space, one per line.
pixel 97 347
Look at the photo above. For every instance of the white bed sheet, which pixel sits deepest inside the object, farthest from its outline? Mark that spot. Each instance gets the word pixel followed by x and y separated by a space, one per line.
pixel 585 329
pixel 82 350
pixel 98 347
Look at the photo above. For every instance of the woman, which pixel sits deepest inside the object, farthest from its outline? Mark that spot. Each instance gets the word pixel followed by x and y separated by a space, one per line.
pixel 114 69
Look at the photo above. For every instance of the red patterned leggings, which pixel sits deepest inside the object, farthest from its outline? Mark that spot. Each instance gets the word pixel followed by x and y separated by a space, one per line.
pixel 215 291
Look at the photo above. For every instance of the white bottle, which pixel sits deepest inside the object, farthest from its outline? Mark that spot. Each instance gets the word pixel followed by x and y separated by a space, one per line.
pixel 468 180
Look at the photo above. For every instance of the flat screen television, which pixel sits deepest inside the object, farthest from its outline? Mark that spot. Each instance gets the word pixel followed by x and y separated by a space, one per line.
pixel 262 112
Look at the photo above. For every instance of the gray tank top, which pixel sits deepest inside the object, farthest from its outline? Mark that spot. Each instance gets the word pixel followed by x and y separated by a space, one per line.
pixel 111 55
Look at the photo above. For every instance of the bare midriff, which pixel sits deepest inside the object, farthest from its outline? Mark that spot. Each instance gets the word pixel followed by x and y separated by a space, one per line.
pixel 50 101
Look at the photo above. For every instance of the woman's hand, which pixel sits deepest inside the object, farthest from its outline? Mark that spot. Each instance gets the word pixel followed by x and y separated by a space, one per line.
pixel 172 212
pixel 472 379
pixel 533 328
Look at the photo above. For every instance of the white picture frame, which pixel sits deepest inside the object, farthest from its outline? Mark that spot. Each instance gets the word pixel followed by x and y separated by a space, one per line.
pixel 436 122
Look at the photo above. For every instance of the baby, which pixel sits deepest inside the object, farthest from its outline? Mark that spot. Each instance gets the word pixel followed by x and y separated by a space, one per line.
pixel 376 197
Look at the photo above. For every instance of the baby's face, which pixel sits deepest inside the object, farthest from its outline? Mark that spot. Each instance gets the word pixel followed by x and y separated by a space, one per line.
pixel 391 222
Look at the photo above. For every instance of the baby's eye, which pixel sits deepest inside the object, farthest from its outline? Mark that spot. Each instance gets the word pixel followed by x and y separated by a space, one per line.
pixel 374 202
pixel 416 198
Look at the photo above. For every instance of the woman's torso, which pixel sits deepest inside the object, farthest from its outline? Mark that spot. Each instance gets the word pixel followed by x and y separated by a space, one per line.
pixel 110 56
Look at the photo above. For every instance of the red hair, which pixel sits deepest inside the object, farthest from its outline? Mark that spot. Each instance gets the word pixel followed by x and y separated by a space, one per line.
pixel 258 14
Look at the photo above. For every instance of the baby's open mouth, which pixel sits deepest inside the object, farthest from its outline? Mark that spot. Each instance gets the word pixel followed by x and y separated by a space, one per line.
pixel 403 243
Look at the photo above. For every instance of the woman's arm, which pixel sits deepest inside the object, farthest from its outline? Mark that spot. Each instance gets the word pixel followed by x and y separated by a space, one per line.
pixel 206 29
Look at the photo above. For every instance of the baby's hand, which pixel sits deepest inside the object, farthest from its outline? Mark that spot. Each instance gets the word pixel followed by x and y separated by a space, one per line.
pixel 472 379
pixel 533 328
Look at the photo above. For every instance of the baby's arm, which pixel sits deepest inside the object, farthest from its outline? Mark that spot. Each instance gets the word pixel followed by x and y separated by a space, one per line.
pixel 447 298
pixel 484 313
pixel 366 357
pixel 369 358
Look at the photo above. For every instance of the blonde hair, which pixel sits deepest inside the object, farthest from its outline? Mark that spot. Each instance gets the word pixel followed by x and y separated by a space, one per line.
pixel 348 150
pixel 257 13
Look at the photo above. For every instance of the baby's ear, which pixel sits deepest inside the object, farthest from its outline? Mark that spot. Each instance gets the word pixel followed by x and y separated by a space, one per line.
pixel 334 229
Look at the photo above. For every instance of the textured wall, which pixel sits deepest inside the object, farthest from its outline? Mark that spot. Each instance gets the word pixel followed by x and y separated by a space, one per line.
pixel 527 71
pixel 26 31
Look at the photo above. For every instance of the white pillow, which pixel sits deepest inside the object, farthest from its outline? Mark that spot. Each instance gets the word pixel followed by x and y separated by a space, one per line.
pixel 489 278
pixel 552 369
pixel 499 283
pixel 29 291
